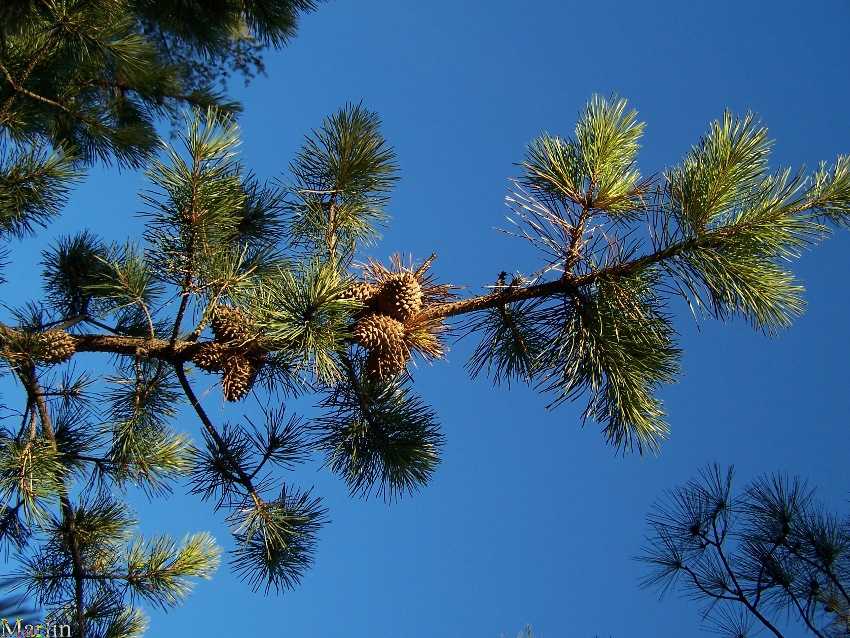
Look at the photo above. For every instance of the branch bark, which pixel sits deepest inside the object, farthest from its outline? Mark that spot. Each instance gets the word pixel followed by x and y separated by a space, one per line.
pixel 36 395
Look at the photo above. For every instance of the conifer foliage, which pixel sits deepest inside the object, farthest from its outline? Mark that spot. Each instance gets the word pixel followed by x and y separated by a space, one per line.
pixel 762 559
pixel 264 291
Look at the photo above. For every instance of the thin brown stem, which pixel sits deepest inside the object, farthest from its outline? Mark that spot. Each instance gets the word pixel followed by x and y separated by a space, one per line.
pixel 803 614
pixel 331 238
pixel 567 284
pixel 30 381
pixel 103 326
pixel 739 591
pixel 17 85
pixel 241 475
pixel 20 90
pixel 759 587
pixel 33 432
pixel 705 591
pixel 576 240
pixel 192 218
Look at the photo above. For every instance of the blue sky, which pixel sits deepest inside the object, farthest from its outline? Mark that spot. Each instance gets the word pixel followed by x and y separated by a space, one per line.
pixel 530 518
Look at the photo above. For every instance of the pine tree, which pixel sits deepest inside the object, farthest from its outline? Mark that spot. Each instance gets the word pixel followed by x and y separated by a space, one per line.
pixel 85 80
pixel 264 288
pixel 769 553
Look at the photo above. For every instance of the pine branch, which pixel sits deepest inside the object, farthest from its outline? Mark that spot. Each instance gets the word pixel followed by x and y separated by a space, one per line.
pixel 736 549
pixel 718 547
pixel 17 85
pixel 34 186
pixel 241 475
pixel 30 381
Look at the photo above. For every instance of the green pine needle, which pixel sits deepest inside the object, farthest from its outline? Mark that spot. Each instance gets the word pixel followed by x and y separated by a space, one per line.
pixel 343 175
pixel 300 311
pixel 380 438
pixel 617 346
pixel 34 187
pixel 32 473
pixel 160 571
pixel 275 541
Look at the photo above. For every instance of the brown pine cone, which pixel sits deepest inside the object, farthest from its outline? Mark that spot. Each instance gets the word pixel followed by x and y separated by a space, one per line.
pixel 376 331
pixel 400 296
pixel 55 346
pixel 383 365
pixel 361 291
pixel 230 324
pixel 210 356
pixel 238 375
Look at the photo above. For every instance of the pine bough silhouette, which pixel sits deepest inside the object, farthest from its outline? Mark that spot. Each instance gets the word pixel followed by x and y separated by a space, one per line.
pixel 262 288
pixel 769 553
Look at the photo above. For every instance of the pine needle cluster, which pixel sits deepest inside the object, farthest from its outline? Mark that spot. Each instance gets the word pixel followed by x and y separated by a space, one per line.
pixel 762 557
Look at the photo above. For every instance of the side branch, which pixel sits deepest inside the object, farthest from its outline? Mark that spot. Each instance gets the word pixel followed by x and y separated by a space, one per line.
pixel 162 349
pixel 569 283
pixel 242 476
pixel 36 396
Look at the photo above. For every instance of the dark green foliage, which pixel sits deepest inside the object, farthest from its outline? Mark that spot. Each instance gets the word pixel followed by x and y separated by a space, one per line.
pixel 124 286
pixel 157 570
pixel 93 77
pixel 510 343
pixel 276 542
pixel 270 22
pixel 142 447
pixel 300 311
pixel 342 178
pixel 767 553
pixel 280 441
pixel 597 166
pixel 77 437
pixel 275 539
pixel 34 187
pixel 722 229
pixel 378 436
pixel 31 473
pixel 209 220
pixel 199 202
pixel 70 268
pixel 740 223
pixel 617 346
pixel 14 529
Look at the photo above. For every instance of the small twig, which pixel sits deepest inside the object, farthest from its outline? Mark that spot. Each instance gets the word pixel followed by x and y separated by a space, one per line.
pixel 242 477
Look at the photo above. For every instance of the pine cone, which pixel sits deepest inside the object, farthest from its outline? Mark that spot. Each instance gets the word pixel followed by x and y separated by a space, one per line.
pixel 230 324
pixel 361 291
pixel 386 364
pixel 55 346
pixel 400 296
pixel 383 337
pixel 379 332
pixel 210 356
pixel 238 374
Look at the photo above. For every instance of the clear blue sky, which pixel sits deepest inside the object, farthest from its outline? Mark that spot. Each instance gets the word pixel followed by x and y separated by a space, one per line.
pixel 530 518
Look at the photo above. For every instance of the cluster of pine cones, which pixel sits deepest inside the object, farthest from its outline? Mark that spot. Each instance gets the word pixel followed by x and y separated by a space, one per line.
pixel 232 353
pixel 381 329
